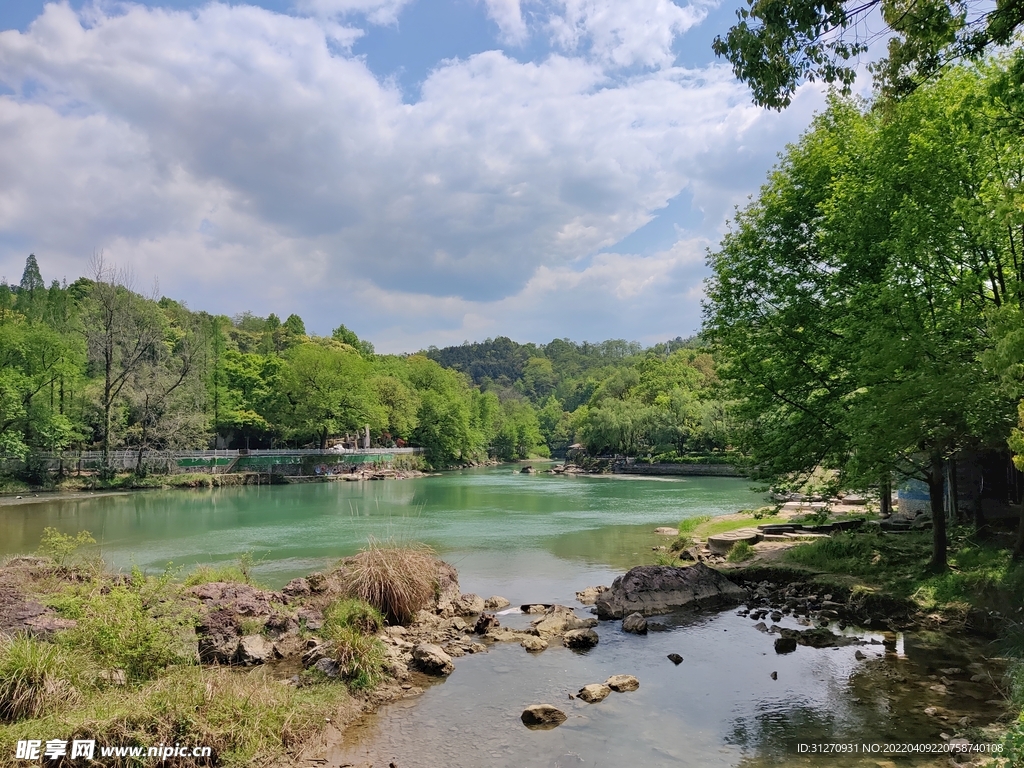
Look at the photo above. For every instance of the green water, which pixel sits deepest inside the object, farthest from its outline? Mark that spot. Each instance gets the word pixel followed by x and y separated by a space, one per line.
pixel 539 538
pixel 524 535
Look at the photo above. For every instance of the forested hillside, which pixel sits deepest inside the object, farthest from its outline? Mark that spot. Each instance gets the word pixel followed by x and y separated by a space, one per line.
pixel 96 364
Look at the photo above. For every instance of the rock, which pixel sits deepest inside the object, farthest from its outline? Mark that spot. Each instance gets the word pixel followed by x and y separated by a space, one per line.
pixel 785 644
pixel 457 623
pixel 635 623
pixel 317 582
pixel 761 627
pixel 528 471
pixel 594 693
pixel 311 618
pixel 776 616
pixel 657 626
pixel 665 531
pixel 622 683
pixel 721 543
pixel 580 639
pixel 535 644
pixel 542 716
pixel 253 650
pixel 432 659
pixel 296 588
pixel 496 603
pixel 859 656
pixel 675 658
pixel 447 589
pixel 654 589
pixel 558 620
pixel 327 667
pixel 589 595
pixel 487 621
pixel 774 675
pixel 468 604
pixel 535 608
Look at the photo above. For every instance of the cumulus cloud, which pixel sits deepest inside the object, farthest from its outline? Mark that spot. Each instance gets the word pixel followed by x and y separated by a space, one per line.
pixel 624 33
pixel 508 15
pixel 233 147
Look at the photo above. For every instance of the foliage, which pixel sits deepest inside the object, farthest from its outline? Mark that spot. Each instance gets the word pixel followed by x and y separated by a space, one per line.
pixel 124 629
pixel 37 678
pixel 351 614
pixel 778 44
pixel 396 580
pixel 361 658
pixel 739 552
pixel 61 546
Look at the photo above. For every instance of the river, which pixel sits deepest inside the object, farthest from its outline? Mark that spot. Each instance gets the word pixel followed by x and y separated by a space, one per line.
pixel 539 538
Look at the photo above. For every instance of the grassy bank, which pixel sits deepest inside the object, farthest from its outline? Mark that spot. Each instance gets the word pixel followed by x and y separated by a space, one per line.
pixel 125 660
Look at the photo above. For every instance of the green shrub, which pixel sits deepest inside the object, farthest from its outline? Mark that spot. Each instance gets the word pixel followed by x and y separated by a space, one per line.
pixel 681 542
pixel 119 630
pixel 739 552
pixel 37 677
pixel 352 614
pixel 846 552
pixel 61 546
pixel 361 658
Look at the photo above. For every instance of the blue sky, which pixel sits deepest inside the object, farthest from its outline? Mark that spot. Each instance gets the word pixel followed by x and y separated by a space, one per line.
pixel 424 172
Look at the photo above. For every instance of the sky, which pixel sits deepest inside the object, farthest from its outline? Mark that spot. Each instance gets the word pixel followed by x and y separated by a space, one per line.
pixel 424 171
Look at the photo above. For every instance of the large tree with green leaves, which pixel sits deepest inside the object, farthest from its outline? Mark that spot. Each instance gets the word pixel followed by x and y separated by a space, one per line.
pixel 852 299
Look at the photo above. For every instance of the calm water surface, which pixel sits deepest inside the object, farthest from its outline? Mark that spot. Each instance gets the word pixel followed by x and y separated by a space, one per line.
pixel 540 538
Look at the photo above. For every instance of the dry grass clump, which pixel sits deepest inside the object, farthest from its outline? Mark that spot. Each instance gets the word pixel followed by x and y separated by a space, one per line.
pixel 396 580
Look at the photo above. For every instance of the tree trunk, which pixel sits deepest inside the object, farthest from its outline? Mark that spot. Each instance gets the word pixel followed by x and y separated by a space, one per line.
pixel 323 439
pixel 954 492
pixel 936 488
pixel 885 496
pixel 1018 547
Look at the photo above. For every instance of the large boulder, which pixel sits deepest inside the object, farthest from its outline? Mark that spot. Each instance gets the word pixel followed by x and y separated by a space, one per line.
pixel 654 589
pixel 496 603
pixel 542 716
pixel 468 605
pixel 432 659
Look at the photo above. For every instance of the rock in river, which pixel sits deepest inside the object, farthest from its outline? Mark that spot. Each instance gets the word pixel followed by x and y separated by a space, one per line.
pixel 622 683
pixel 785 645
pixel 594 693
pixel 580 639
pixel 432 659
pixel 496 603
pixel 654 589
pixel 542 716
pixel 635 623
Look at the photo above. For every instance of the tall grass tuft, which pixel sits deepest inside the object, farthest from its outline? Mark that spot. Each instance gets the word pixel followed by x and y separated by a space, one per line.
pixel 739 552
pixel 353 614
pixel 396 580
pixel 689 524
pixel 37 677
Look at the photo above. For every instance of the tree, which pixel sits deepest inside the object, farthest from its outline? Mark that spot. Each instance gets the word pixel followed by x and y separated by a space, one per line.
pixel 777 44
pixel 328 389
pixel 344 335
pixel 851 298
pixel 122 334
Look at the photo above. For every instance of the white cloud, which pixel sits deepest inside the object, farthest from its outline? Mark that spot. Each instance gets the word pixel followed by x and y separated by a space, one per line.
pixel 508 15
pixel 240 156
pixel 375 11
pixel 624 33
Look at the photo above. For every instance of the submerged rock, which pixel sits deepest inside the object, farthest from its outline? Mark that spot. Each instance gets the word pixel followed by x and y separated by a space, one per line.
pixel 535 644
pixel 635 623
pixel 622 683
pixel 558 620
pixel 580 639
pixel 542 716
pixel 594 692
pixel 654 589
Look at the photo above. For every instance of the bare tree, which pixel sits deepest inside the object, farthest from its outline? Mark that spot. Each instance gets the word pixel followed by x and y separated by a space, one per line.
pixel 122 334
